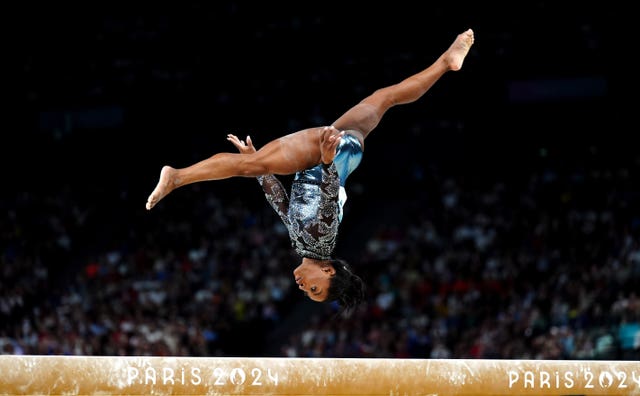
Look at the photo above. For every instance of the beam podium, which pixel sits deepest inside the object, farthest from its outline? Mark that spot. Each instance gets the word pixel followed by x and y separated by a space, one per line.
pixel 153 375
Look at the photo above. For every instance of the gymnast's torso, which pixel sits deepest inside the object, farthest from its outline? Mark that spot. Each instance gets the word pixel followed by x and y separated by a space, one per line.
pixel 313 211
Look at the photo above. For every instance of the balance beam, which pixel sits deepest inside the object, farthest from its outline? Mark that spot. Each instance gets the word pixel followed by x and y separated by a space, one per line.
pixel 85 375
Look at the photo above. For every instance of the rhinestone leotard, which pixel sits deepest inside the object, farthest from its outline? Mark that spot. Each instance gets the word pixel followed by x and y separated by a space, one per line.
pixel 313 211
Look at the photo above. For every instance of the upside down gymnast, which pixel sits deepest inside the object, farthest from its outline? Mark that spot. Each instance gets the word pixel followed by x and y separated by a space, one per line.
pixel 320 158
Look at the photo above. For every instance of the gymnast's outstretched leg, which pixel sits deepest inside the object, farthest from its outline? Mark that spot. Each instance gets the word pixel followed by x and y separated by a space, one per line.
pixel 366 115
pixel 301 150
pixel 283 156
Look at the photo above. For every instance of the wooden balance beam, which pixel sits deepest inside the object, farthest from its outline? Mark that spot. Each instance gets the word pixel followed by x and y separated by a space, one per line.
pixel 107 375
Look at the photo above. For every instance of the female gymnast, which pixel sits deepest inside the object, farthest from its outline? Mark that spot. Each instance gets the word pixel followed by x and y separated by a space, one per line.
pixel 321 158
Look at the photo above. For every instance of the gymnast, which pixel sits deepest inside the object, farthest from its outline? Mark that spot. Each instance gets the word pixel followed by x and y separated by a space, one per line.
pixel 321 158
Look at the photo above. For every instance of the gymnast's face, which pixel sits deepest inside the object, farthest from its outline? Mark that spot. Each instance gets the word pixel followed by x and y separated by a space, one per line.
pixel 313 277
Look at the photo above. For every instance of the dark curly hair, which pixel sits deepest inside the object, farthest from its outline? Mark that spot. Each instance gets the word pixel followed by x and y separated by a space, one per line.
pixel 346 288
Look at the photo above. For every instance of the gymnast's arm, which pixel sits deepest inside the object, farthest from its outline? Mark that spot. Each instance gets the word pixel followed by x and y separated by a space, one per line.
pixel 330 185
pixel 276 195
pixel 329 189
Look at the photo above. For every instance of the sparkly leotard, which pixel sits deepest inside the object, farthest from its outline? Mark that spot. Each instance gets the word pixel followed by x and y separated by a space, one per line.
pixel 313 212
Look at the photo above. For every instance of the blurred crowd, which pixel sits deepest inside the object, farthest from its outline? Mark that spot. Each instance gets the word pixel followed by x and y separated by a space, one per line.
pixel 536 259
pixel 545 266
pixel 183 289
pixel 546 270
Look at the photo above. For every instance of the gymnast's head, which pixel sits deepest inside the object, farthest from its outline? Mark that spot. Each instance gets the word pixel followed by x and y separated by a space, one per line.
pixel 330 280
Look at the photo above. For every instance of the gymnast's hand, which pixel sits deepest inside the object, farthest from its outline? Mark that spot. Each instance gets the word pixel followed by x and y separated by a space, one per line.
pixel 243 148
pixel 329 143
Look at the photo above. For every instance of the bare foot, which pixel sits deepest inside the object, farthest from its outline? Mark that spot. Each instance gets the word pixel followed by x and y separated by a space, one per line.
pixel 165 185
pixel 456 53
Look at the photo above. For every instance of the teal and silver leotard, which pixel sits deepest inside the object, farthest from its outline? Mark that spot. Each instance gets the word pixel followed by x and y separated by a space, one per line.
pixel 314 210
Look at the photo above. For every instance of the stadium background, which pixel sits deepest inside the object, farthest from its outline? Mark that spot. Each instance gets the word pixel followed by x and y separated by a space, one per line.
pixel 496 217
